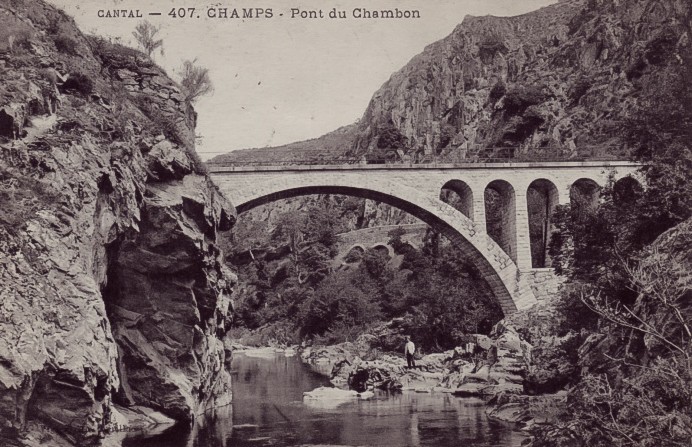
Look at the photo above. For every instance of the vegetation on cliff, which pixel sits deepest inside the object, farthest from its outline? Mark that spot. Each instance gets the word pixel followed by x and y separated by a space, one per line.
pixel 628 266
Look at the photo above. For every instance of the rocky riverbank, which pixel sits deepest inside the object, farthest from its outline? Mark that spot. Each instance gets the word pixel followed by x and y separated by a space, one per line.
pixel 492 368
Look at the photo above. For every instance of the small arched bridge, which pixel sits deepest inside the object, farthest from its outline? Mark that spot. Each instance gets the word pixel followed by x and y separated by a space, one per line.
pixel 497 214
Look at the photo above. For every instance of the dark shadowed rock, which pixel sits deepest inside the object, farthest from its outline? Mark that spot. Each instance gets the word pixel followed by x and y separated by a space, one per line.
pixel 168 298
pixel 368 376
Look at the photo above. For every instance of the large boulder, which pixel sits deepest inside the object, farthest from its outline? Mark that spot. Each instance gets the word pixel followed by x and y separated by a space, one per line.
pixel 168 299
pixel 370 375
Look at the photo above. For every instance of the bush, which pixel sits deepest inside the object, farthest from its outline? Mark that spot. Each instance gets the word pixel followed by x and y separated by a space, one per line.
pixel 578 90
pixel 66 44
pixel 145 34
pixel 447 134
pixel 195 81
pixel 389 137
pixel 198 166
pixel 662 48
pixel 16 38
pixel 22 197
pixel 336 304
pixel 489 46
pixel 79 82
pixel 354 255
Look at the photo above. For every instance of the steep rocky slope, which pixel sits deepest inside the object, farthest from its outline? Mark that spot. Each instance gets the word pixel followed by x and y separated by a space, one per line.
pixel 111 285
pixel 548 83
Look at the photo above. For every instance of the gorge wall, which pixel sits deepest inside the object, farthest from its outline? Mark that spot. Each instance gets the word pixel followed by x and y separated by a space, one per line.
pixel 112 289
pixel 553 82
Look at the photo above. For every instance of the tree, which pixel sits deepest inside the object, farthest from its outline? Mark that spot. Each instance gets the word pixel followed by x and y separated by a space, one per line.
pixel 195 81
pixel 145 33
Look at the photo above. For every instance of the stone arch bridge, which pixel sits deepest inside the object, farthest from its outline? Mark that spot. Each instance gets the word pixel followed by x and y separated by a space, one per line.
pixel 501 247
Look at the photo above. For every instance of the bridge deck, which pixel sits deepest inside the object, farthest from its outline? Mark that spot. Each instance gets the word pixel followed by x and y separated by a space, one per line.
pixel 221 168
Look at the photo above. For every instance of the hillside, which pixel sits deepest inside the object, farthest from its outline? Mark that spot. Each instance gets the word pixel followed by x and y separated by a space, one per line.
pixel 552 83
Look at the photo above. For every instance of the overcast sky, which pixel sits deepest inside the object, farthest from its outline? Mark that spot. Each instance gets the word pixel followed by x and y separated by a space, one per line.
pixel 281 80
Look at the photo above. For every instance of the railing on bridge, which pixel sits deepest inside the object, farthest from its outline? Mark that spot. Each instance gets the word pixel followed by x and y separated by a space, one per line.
pixel 485 155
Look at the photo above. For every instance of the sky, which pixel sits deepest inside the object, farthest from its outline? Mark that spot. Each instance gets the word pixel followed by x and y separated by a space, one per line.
pixel 281 79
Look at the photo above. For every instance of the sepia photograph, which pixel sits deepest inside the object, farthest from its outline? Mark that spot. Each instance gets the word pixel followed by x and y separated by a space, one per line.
pixel 345 223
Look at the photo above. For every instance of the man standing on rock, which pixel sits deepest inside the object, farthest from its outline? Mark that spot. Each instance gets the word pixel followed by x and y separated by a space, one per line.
pixel 409 350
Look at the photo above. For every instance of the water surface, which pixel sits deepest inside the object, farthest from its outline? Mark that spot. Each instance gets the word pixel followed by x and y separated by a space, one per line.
pixel 268 410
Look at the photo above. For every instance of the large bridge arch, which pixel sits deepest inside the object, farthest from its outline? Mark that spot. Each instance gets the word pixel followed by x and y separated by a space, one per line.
pixel 498 269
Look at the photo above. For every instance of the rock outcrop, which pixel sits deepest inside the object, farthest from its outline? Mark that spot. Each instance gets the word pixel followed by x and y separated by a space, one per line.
pixel 111 285
pixel 548 83
pixel 169 299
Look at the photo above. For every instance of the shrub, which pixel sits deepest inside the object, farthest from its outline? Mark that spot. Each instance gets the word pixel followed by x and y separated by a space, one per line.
pixel 197 164
pixel 145 34
pixel 79 82
pixel 489 46
pixel 163 123
pixel 447 134
pixel 16 38
pixel 354 255
pixel 578 90
pixel 195 81
pixel 21 197
pixel 66 44
pixel 661 48
pixel 336 304
pixel 521 127
pixel 389 137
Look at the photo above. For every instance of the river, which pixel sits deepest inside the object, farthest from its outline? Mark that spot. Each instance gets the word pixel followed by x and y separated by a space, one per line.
pixel 268 410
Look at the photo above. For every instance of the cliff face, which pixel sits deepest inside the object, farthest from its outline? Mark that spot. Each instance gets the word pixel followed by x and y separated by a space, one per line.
pixel 111 286
pixel 551 82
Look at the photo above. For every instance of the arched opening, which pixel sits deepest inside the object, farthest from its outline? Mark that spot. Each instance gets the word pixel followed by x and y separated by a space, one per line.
pixel 500 216
pixel 383 250
pixel 459 195
pixel 584 195
pixel 499 274
pixel 355 254
pixel 541 200
pixel 627 190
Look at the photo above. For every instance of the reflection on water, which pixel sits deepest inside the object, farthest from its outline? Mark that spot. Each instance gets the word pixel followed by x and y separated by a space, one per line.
pixel 268 410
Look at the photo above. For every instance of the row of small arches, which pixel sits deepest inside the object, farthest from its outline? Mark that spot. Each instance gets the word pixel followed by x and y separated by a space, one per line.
pixel 541 197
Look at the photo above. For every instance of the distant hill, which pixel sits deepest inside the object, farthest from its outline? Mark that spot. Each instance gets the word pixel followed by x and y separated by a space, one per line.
pixel 329 146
